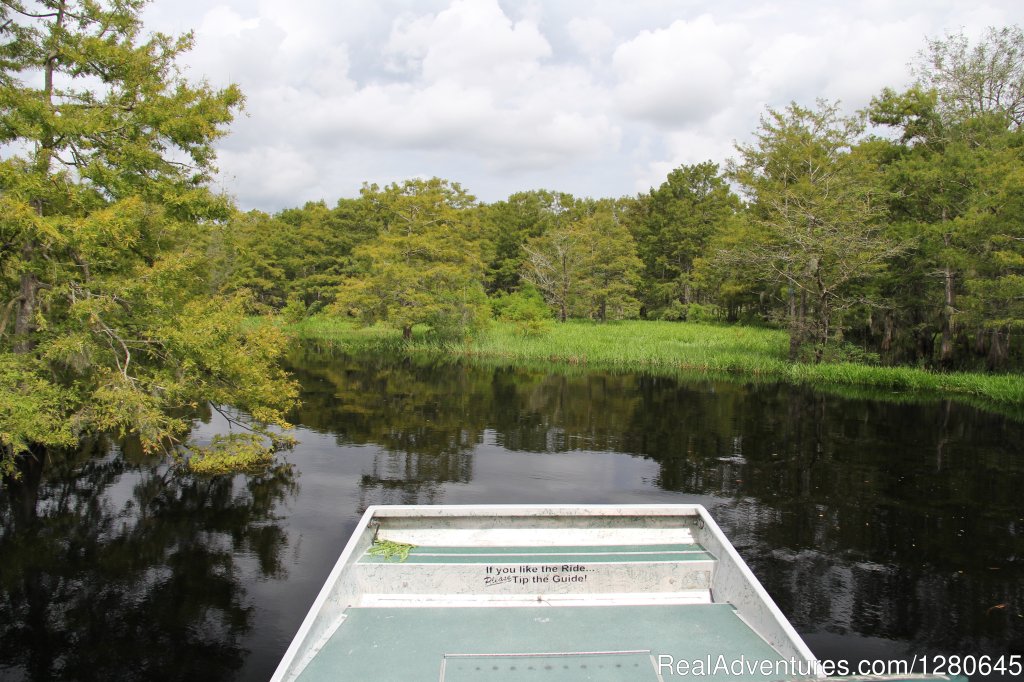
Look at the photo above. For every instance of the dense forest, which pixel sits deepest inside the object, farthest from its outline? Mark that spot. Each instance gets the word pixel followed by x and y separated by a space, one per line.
pixel 894 235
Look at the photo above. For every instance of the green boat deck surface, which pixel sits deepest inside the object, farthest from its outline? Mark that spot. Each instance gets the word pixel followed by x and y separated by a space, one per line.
pixel 542 555
pixel 409 644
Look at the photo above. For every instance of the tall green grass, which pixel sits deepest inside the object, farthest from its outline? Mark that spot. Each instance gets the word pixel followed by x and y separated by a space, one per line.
pixel 346 334
pixel 639 345
pixel 710 350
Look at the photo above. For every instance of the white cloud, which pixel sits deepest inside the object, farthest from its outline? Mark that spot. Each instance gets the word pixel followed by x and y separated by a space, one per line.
pixel 282 178
pixel 474 82
pixel 681 74
pixel 472 42
pixel 225 54
pixel 592 37
pixel 224 21
pixel 683 147
pixel 832 61
pixel 595 97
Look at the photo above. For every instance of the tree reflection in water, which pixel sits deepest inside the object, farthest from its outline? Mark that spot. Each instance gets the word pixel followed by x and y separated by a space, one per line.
pixel 867 520
pixel 115 567
pixel 882 529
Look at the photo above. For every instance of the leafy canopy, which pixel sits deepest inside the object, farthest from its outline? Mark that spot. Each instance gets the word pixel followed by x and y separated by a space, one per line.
pixel 424 266
pixel 106 322
pixel 816 230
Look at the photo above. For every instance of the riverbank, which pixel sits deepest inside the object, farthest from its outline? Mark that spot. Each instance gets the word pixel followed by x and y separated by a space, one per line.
pixel 671 347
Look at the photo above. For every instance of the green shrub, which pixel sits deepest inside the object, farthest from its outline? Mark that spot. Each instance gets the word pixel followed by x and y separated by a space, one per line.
pixel 525 308
pixel 458 316
pixel 295 309
pixel 677 311
pixel 697 312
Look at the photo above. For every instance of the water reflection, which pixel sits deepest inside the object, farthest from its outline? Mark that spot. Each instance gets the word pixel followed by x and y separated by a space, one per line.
pixel 879 527
pixel 882 529
pixel 115 568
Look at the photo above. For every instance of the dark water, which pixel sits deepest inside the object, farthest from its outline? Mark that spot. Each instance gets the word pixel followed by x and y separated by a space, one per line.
pixel 882 530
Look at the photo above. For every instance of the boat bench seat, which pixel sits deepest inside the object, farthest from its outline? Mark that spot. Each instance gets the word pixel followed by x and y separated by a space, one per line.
pixel 493 571
pixel 548 555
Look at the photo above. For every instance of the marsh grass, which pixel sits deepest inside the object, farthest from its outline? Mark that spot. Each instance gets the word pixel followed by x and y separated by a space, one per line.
pixel 673 348
pixel 346 334
pixel 640 345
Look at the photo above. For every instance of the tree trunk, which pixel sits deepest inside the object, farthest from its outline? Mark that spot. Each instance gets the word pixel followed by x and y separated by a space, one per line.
pixel 980 342
pixel 946 348
pixel 888 327
pixel 998 351
pixel 794 327
pixel 24 320
pixel 824 325
pixel 407 332
pixel 925 345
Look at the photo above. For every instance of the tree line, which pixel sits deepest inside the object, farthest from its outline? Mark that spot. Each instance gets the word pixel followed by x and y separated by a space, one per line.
pixel 895 234
pixel 125 281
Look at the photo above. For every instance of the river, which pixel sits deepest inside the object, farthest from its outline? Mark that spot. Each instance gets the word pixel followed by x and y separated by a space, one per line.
pixel 884 528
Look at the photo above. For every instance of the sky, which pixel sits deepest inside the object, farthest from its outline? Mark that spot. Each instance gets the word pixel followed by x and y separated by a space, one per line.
pixel 592 97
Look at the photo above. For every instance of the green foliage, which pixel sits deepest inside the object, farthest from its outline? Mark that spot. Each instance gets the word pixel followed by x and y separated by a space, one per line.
pixel 32 411
pixel 673 226
pixel 457 314
pixel 300 253
pixel 612 269
pixel 817 232
pixel 294 309
pixel 893 246
pixel 524 308
pixel 754 354
pixel 689 312
pixel 424 266
pixel 976 80
pixel 839 353
pixel 507 225
pixel 107 323
pixel 956 171
pixel 586 264
pixel 389 550
pixel 231 454
pixel 246 255
pixel 124 281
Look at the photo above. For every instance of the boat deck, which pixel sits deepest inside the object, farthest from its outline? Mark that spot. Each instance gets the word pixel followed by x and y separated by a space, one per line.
pixel 542 593
pixel 534 643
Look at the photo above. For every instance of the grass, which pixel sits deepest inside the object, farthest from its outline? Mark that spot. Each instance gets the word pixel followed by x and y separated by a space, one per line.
pixel 346 334
pixel 709 350
pixel 640 345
